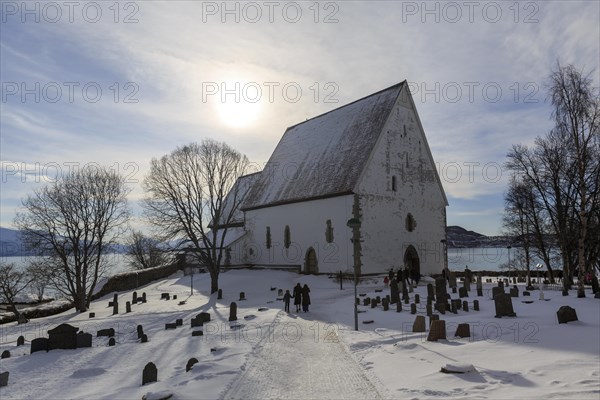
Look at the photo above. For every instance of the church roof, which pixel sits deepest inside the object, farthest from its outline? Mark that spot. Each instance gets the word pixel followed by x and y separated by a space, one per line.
pixel 323 156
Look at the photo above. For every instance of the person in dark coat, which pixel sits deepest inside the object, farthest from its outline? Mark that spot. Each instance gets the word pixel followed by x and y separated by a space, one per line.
pixel 297 296
pixel 305 298
pixel 286 300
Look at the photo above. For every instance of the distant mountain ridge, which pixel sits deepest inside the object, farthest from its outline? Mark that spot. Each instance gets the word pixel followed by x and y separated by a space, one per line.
pixel 459 237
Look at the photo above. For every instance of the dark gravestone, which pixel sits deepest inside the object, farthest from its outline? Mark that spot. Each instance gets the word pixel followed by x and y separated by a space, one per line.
pixel 170 325
pixel 504 306
pixel 476 305
pixel 479 292
pixel 565 292
pixel 128 307
pixel 39 344
pixel 454 290
pixel 134 298
pixel 413 308
pixel 440 307
pixel 280 293
pixel 110 332
pixel 115 304
pixel 233 311
pixel 378 298
pixel 366 301
pixel 92 315
pixel 190 364
pixel 463 330
pixel 419 324
pixel 452 280
pixel 64 336
pixel 20 341
pixel 174 297
pixel 399 306
pixel 179 321
pixel 205 316
pixel 374 303
pixel 387 296
pixel 417 299
pixel 429 309
pixel 5 354
pixel 430 294
pixel 462 292
pixel 405 296
pixel 219 294
pixel 385 303
pixel 437 331
pixel 144 297
pixel 526 293
pixel 453 307
pixel 150 374
pixel 394 293
pixel 566 314
pixel 165 296
pixel 496 291
pixel 111 341
pixel 242 296
pixel 514 291
pixel 84 340
pixel 465 306
pixel 441 294
pixel 433 317
pixel 140 331
pixel 197 333
pixel 4 379
pixel 144 338
pixel 500 284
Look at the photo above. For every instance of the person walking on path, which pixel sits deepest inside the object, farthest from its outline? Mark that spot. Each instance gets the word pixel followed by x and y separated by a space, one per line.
pixel 286 300
pixel 305 298
pixel 297 296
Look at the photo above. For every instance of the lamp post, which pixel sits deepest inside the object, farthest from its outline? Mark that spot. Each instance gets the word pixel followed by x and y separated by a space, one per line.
pixel 509 247
pixel 354 224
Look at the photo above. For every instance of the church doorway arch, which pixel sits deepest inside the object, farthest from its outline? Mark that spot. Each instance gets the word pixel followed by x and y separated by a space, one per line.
pixel 310 261
pixel 411 260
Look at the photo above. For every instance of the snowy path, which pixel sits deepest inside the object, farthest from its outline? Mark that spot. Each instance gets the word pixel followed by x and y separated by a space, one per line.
pixel 303 359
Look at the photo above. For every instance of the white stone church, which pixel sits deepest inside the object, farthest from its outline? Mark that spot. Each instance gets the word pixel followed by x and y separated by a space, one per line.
pixel 295 212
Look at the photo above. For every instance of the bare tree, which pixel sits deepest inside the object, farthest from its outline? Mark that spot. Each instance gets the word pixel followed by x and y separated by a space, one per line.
pixel 75 221
pixel 577 113
pixel 12 282
pixel 145 252
pixel 41 277
pixel 191 195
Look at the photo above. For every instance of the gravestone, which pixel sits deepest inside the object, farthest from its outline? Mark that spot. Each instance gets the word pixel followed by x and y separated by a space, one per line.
pixel 526 293
pixel 140 331
pixel 419 324
pixel 479 283
pixel 453 307
pixel 441 294
pixel 127 307
pixel 232 311
pixel 497 290
pixel 413 308
pixel 437 331
pixel 433 317
pixel 500 284
pixel 374 303
pixel 205 316
pixel 417 299
pixel 174 297
pixel 150 374
pixel 366 301
pixel 465 306
pixel 134 298
pixel 220 294
pixel 514 291
pixel 504 306
pixel 165 296
pixel 92 315
pixel 385 303
pixel 170 325
pixel 179 321
pixel 144 297
pixel 476 305
pixel 144 338
pixel 387 296
pixel 479 292
pixel 405 296
pixel 115 304
pixel 462 292
pixel 566 314
pixel 429 300
pixel 5 354
pixel 84 340
pixel 110 332
pixel 242 296
pixel 595 285
pixel 406 300
pixel 111 341
pixel 20 341
pixel 190 364
pixel 463 331
pixel 394 294
pixel 197 333
pixel 441 307
pixel 378 299
pixel 280 293
pixel 454 290
pixel 399 306
pixel 430 294
pixel 64 336
pixel 429 309
pixel 452 280
pixel 39 344
pixel 467 284
pixel 4 379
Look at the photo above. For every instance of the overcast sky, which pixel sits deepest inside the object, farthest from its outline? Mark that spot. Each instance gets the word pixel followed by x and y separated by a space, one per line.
pixel 119 83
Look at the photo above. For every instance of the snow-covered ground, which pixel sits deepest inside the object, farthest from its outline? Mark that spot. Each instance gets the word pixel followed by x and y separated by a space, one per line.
pixel 308 355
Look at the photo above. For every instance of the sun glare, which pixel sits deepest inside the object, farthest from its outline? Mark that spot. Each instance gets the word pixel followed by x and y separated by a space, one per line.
pixel 238 104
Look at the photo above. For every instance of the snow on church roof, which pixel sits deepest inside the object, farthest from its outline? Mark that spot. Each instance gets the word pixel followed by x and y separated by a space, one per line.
pixel 325 155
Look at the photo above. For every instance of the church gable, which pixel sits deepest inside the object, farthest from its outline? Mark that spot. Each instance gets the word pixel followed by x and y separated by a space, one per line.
pixel 324 156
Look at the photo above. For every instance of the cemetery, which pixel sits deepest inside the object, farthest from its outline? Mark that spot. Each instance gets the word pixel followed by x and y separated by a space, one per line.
pixel 430 334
